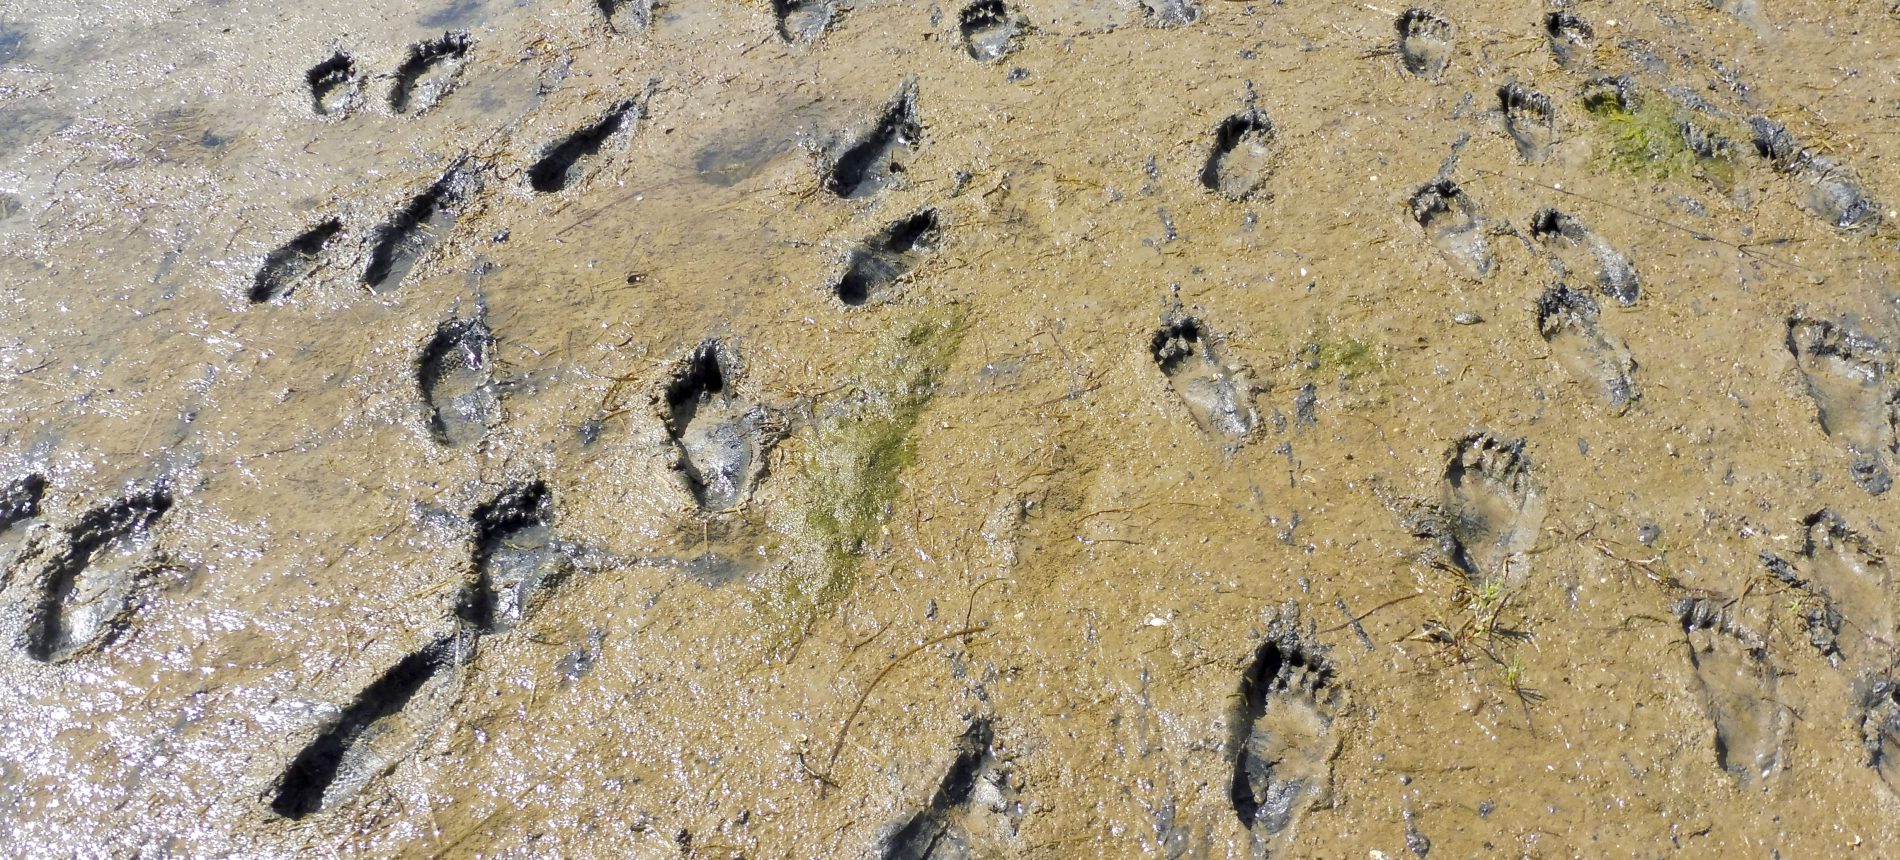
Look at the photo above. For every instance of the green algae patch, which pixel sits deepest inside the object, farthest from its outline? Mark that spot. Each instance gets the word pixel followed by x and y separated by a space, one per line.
pixel 1344 356
pixel 848 471
pixel 1651 136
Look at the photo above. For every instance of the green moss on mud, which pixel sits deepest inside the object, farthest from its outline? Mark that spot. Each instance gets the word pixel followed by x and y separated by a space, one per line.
pixel 848 471
pixel 1651 136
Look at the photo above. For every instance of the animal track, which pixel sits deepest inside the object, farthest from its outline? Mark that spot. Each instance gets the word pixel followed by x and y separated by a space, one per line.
pixel 1564 236
pixel 1242 157
pixel 1851 620
pixel 722 440
pixel 802 21
pixel 1737 686
pixel 289 265
pixel 1571 37
pixel 1530 120
pixel 1171 13
pixel 878 261
pixel 335 89
pixel 870 163
pixel 1452 224
pixel 1568 320
pixel 89 577
pixel 453 375
pixel 627 16
pixel 518 560
pixel 1283 743
pixel 1849 375
pixel 1830 192
pixel 1493 508
pixel 400 242
pixel 1425 42
pixel 567 161
pixel 989 29
pixel 1217 389
pixel 430 73
pixel 973 813
pixel 386 722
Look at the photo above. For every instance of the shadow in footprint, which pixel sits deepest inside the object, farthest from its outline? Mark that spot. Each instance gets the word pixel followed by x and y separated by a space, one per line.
pixel 879 261
pixel 1425 42
pixel 1283 742
pixel 1216 387
pixel 973 813
pixel 871 162
pixel 90 578
pixel 1242 158
pixel 1569 321
pixel 518 560
pixel 570 159
pixel 430 73
pixel 1849 376
pixel 1453 225
pixel 453 375
pixel 1493 508
pixel 1737 686
pixel 401 242
pixel 722 439
pixel 289 265
pixel 990 30
pixel 335 88
pixel 386 722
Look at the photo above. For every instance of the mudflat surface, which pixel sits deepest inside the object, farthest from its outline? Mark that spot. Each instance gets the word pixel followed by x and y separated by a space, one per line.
pixel 896 430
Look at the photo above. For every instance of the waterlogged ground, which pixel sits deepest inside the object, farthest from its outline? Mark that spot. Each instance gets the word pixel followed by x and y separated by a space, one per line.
pixel 894 430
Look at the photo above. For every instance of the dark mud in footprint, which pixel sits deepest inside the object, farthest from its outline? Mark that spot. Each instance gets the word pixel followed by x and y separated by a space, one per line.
pixel 91 575
pixel 289 265
pixel 1242 158
pixel 1737 687
pixel 1571 37
pixel 1283 739
pixel 627 16
pixel 990 31
pixel 19 509
pixel 1850 377
pixel 973 813
pixel 1493 508
pixel 430 73
pixel 722 439
pixel 1530 120
pixel 801 21
pixel 386 722
pixel 1453 225
pixel 1825 188
pixel 518 560
pixel 1576 249
pixel 453 376
pixel 570 159
pixel 1171 13
pixel 1216 388
pixel 1851 608
pixel 403 240
pixel 871 162
pixel 879 261
pixel 1425 42
pixel 335 88
pixel 1569 321
pixel 1880 729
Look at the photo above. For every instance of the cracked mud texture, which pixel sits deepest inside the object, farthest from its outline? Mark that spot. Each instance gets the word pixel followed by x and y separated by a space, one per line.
pixel 981 534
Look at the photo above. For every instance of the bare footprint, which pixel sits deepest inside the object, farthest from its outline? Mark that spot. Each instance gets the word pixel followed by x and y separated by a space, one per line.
pixel 1568 320
pixel 1425 41
pixel 1577 249
pixel 1242 157
pixel 1851 617
pixel 1737 687
pixel 1284 742
pixel 1493 508
pixel 1217 389
pixel 989 29
pixel 1171 13
pixel 1880 730
pixel 973 813
pixel 1453 225
pixel 722 439
pixel 89 577
pixel 1849 375
pixel 1530 120
pixel 1571 37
